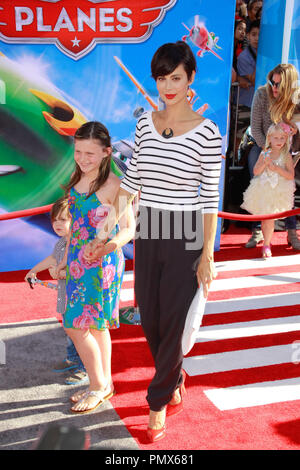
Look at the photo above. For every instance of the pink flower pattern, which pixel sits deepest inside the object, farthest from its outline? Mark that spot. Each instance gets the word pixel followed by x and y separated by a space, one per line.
pixel 93 289
pixel 98 216
pixel 76 270
pixel 83 234
pixel 108 275
pixel 87 318
pixel 83 261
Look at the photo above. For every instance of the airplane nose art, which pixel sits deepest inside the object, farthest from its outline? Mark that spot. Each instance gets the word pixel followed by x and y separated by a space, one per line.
pixel 63 118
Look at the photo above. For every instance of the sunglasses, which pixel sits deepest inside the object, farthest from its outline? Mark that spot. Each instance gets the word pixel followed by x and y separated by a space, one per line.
pixel 275 84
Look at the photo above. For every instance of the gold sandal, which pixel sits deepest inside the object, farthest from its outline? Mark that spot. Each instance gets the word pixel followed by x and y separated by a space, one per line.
pixel 78 396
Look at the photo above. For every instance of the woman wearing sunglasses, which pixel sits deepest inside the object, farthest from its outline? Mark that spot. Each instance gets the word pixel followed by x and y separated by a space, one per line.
pixel 274 102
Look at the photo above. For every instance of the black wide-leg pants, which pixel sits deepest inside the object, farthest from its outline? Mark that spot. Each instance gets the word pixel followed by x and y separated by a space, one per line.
pixel 165 284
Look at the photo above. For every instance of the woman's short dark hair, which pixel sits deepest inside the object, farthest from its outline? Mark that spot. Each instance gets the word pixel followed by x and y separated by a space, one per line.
pixel 169 56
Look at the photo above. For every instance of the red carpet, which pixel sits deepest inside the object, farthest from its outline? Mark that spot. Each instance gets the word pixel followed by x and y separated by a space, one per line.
pixel 243 374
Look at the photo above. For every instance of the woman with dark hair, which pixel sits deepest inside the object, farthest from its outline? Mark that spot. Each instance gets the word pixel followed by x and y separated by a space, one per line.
pixel 176 150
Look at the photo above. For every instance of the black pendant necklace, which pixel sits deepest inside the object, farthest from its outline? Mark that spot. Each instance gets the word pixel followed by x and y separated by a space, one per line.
pixel 167 133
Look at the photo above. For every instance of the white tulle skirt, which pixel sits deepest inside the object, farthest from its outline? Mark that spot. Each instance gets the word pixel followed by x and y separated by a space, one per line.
pixel 262 198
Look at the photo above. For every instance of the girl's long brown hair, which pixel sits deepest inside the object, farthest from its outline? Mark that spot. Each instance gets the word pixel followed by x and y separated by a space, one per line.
pixel 96 131
pixel 283 107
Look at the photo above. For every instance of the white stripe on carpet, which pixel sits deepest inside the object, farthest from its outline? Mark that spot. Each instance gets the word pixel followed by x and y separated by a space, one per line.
pixel 234 360
pixel 255 281
pixel 128 276
pixel 247 329
pixel 257 263
pixel 126 295
pixel 263 393
pixel 250 303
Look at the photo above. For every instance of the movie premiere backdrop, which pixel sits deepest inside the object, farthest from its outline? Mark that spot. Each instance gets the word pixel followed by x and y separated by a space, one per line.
pixel 64 62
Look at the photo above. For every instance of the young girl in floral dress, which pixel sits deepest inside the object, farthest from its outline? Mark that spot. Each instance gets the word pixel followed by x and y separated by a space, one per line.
pixel 93 289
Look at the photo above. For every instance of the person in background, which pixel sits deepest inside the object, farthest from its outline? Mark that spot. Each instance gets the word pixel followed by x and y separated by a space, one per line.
pixel 240 9
pixel 274 179
pixel 246 67
pixel 61 219
pixel 240 40
pixel 240 43
pixel 276 101
pixel 258 14
pixel 245 76
pixel 252 8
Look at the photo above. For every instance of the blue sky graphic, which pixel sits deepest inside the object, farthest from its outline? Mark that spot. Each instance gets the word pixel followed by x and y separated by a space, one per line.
pixel 101 90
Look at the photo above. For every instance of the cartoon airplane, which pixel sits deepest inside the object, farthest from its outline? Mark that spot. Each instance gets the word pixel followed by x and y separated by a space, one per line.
pixel 36 146
pixel 201 38
pixel 191 95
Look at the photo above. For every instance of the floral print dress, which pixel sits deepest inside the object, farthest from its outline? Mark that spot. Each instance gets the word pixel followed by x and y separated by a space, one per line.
pixel 93 289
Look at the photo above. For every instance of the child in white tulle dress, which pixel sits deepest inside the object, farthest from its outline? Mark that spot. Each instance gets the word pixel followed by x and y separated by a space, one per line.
pixel 272 188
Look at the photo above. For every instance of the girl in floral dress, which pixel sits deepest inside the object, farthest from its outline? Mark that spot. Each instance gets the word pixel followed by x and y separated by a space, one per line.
pixel 93 289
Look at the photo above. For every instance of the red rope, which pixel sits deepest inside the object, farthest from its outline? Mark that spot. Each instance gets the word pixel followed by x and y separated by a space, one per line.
pixel 26 212
pixel 279 215
pixel 223 215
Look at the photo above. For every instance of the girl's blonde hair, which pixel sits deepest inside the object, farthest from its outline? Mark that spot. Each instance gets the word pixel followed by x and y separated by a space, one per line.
pixel 283 107
pixel 281 127
pixel 96 131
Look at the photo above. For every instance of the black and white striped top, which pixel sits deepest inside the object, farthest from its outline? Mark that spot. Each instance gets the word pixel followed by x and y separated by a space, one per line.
pixel 169 172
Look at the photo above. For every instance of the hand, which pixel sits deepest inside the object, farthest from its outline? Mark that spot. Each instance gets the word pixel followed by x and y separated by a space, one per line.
pixel 30 275
pixel 62 274
pixel 273 167
pixel 53 271
pixel 206 273
pixel 96 250
pixel 60 270
pixel 93 251
pixel 30 278
pixel 268 162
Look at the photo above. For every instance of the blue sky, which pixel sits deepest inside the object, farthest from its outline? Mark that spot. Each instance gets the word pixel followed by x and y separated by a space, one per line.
pixel 101 89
